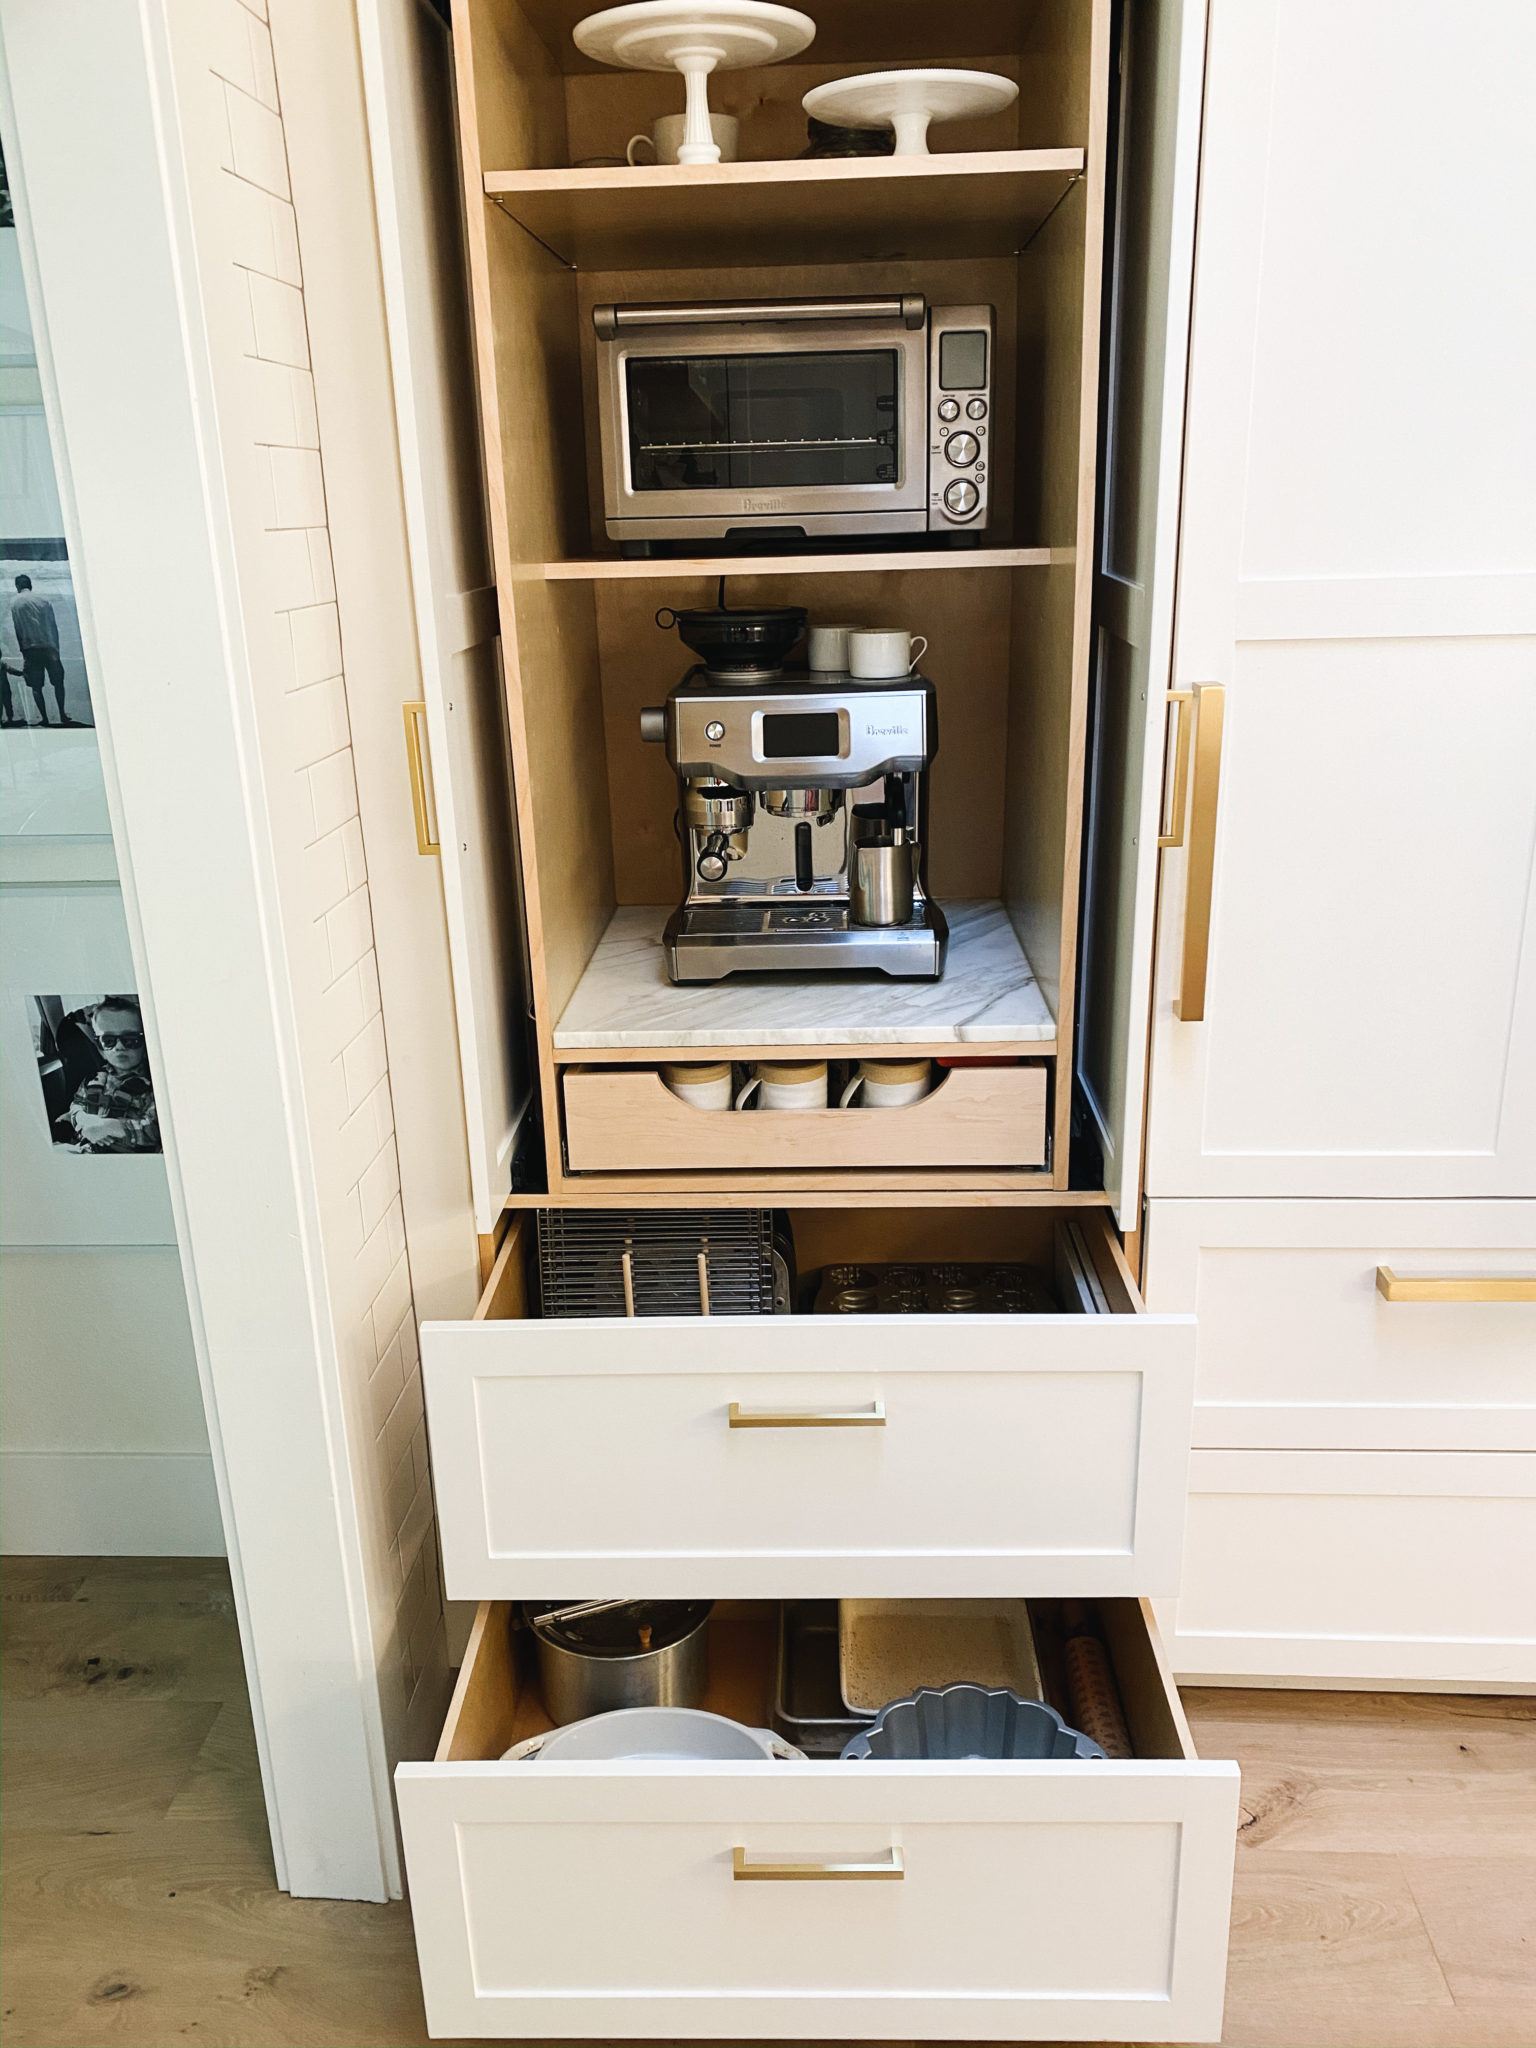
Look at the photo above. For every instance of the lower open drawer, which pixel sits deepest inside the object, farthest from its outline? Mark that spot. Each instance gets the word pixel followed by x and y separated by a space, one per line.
pixel 1035 1901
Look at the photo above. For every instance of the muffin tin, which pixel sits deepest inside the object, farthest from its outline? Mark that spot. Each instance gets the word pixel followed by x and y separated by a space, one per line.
pixel 946 1288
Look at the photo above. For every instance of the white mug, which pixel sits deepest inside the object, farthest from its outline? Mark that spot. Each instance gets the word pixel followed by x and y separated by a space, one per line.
pixel 829 648
pixel 887 1084
pixel 787 1084
pixel 666 138
pixel 876 652
pixel 702 1084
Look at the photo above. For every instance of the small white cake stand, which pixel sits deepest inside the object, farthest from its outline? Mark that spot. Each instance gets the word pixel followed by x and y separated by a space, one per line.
pixel 694 37
pixel 908 100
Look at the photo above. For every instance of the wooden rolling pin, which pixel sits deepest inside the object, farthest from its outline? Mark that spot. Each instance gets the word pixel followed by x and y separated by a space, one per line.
pixel 1091 1688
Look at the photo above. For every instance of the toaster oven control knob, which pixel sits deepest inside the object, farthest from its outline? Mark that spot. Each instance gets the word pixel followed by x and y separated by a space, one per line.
pixel 961 497
pixel 962 449
pixel 949 408
pixel 653 723
pixel 976 409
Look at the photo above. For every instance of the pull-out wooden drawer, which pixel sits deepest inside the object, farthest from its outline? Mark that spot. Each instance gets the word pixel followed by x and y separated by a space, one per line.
pixel 982 1901
pixel 626 1118
pixel 1307 1344
pixel 816 1456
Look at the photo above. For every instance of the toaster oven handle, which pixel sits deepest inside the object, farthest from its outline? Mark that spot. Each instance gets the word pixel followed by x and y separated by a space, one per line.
pixel 911 309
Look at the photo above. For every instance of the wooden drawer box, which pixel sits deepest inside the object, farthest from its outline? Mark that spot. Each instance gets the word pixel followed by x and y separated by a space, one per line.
pixel 626 1119
pixel 1054 1901
pixel 902 1455
pixel 1301 1348
pixel 1371 1567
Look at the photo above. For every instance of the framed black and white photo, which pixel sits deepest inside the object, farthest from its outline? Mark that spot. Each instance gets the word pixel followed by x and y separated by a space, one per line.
pixel 80 1126
pixel 93 1066
pixel 41 658
pixel 50 770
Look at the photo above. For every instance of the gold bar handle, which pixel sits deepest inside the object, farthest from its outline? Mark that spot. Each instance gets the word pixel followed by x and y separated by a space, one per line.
pixel 1209 708
pixel 414 714
pixel 890 1866
pixel 872 1417
pixel 1456 1287
pixel 1181 700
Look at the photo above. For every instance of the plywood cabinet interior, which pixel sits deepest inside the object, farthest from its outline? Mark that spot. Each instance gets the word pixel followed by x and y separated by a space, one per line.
pixel 550 235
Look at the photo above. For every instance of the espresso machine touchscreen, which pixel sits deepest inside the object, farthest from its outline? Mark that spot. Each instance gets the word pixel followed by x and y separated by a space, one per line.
pixel 801 809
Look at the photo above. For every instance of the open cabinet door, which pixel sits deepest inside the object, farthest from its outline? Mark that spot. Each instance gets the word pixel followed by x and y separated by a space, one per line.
pixel 1150 259
pixel 461 767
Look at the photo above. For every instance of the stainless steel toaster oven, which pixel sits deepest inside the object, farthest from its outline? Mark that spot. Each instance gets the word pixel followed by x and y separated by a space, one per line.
pixel 774 421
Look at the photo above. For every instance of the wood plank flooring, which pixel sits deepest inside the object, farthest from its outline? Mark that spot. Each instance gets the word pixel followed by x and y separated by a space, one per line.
pixel 1386 1870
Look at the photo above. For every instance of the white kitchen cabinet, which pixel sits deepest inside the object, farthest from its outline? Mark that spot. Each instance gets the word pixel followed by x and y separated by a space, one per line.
pixel 746 1461
pixel 1357 571
pixel 1303 1346
pixel 1366 1568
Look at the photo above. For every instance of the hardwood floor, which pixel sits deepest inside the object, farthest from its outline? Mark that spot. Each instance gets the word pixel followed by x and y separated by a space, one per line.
pixel 1386 1870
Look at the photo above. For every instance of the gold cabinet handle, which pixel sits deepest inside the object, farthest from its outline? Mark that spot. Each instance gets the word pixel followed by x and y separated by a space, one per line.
pixel 1456 1287
pixel 890 1866
pixel 872 1417
pixel 414 714
pixel 1208 710
pixel 1181 700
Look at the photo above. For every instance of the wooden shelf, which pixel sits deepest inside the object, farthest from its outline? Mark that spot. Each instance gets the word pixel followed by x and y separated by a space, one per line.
pixel 888 561
pixel 962 205
pixel 871 34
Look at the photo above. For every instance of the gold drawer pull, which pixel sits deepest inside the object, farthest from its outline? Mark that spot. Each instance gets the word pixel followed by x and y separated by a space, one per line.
pixel 794 1867
pixel 1209 709
pixel 872 1417
pixel 1457 1287
pixel 414 714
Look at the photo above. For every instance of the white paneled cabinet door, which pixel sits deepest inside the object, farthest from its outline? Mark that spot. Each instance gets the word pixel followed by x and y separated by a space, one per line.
pixel 1151 234
pixel 1358 575
pixel 460 774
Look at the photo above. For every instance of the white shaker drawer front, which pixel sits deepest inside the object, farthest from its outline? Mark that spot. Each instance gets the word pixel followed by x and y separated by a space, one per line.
pixel 810 1456
pixel 779 1900
pixel 1354 1325
pixel 1371 1566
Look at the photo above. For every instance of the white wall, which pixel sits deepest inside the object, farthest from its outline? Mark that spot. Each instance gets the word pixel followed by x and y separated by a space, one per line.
pixel 105 1450
pixel 103 1444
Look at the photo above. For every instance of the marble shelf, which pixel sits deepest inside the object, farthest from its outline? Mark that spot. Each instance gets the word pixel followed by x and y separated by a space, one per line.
pixel 987 995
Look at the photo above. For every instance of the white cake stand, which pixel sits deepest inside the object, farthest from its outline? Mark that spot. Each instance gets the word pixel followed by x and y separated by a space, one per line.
pixel 694 37
pixel 908 100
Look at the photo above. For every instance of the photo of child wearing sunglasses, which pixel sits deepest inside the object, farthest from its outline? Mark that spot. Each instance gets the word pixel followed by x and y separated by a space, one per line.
pixel 94 1065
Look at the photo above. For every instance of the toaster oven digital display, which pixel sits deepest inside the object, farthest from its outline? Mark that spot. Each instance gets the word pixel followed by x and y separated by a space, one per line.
pixel 963 359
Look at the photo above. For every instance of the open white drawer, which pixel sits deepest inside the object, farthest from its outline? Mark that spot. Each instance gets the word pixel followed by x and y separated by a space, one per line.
pixel 894 1456
pixel 1056 1901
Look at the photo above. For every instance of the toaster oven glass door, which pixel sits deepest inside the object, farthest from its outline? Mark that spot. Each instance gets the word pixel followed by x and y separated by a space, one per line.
pixel 783 421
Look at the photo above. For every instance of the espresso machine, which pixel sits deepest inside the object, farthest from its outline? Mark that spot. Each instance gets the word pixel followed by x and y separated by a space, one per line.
pixel 802 801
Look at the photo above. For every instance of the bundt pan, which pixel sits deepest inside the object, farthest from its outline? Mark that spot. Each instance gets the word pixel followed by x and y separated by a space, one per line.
pixel 969 1721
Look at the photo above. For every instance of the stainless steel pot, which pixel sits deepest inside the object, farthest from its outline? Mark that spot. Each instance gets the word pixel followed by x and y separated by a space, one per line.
pixel 633 1653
